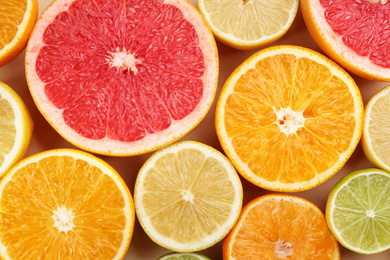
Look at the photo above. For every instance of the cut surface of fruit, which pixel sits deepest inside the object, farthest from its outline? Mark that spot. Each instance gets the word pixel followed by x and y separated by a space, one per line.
pixel 354 33
pixel 16 128
pixel 17 18
pixel 376 134
pixel 248 24
pixel 64 204
pixel 289 118
pixel 358 210
pixel 187 196
pixel 122 77
pixel 183 256
pixel 280 227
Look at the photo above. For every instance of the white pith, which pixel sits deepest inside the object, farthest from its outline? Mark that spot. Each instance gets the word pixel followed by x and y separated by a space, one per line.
pixel 123 59
pixel 150 142
pixel 289 121
pixel 63 219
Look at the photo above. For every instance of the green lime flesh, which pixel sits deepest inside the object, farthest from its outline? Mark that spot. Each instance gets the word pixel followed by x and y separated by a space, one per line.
pixel 358 211
pixel 183 256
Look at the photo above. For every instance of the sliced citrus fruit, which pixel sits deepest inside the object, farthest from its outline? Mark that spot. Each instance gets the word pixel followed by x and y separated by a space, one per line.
pixel 183 256
pixel 277 226
pixel 187 196
pixel 354 33
pixel 358 210
pixel 376 133
pixel 16 128
pixel 17 18
pixel 248 24
pixel 64 204
pixel 289 118
pixel 122 77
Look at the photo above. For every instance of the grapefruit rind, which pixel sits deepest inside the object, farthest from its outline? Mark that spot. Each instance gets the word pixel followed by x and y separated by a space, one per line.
pixel 330 205
pixel 150 142
pixel 207 241
pixel 241 44
pixel 333 46
pixel 23 125
pixel 225 140
pixel 367 145
pixel 94 161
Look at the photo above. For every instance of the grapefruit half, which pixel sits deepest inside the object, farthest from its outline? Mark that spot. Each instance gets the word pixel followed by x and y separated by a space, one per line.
pixel 354 33
pixel 122 77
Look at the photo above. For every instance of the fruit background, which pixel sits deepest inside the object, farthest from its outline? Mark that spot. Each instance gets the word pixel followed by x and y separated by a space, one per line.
pixel 45 137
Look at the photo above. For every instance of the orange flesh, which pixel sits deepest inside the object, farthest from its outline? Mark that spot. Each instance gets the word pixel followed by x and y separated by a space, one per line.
pixel 305 87
pixel 38 190
pixel 11 15
pixel 282 229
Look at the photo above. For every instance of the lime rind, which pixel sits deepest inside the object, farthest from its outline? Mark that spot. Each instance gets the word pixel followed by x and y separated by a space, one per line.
pixel 183 256
pixel 358 210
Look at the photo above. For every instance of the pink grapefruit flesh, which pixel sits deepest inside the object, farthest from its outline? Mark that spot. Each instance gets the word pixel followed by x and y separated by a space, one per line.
pixel 122 77
pixel 355 33
pixel 363 27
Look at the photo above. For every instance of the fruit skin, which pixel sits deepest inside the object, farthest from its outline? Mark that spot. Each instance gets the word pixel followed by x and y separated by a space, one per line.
pixel 331 198
pixel 241 45
pixel 178 255
pixel 247 207
pixel 28 126
pixel 366 145
pixel 10 54
pixel 231 154
pixel 117 148
pixel 318 36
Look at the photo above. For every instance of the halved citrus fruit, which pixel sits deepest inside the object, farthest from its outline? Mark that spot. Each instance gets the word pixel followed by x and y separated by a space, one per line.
pixel 354 33
pixel 64 204
pixel 279 226
pixel 122 77
pixel 249 24
pixel 289 118
pixel 376 133
pixel 358 210
pixel 183 256
pixel 16 128
pixel 187 196
pixel 17 18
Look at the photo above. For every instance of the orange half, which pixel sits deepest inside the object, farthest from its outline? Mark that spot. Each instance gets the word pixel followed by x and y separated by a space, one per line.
pixel 281 227
pixel 289 118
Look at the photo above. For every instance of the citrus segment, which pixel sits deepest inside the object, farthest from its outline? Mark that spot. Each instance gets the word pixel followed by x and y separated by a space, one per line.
pixel 17 18
pixel 122 78
pixel 354 33
pixel 16 128
pixel 357 211
pixel 376 129
pixel 248 24
pixel 280 227
pixel 64 204
pixel 187 196
pixel 289 118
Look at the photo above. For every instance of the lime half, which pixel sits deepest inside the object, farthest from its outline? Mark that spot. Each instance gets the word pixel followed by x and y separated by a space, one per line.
pixel 358 211
pixel 183 256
